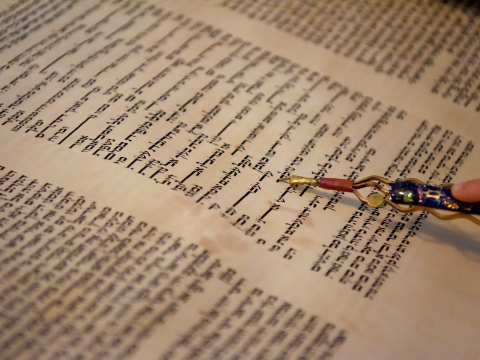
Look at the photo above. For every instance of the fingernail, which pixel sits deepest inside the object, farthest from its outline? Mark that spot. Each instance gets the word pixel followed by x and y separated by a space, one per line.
pixel 458 187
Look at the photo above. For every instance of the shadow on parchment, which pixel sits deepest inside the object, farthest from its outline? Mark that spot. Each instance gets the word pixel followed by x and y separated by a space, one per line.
pixel 447 232
pixel 451 233
pixel 471 7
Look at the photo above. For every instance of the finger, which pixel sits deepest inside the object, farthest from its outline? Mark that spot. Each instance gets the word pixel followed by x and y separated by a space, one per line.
pixel 468 191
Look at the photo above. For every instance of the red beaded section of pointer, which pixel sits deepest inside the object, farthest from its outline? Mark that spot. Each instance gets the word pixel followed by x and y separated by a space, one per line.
pixel 336 184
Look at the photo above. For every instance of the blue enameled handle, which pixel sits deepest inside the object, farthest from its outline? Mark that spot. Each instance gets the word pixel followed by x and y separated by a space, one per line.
pixel 409 193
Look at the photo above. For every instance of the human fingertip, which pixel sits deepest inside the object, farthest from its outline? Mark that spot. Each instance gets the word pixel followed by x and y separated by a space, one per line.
pixel 458 191
pixel 468 191
pixel 457 188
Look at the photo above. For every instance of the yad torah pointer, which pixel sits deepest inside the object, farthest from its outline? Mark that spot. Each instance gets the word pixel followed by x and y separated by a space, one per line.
pixel 413 192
